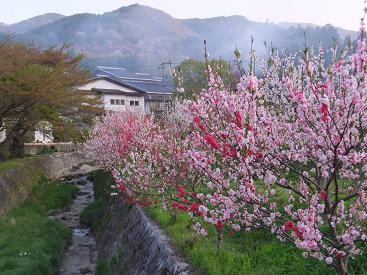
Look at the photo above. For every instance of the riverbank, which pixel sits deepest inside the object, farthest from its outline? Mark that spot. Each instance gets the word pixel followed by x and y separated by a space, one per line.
pixel 30 242
pixel 129 242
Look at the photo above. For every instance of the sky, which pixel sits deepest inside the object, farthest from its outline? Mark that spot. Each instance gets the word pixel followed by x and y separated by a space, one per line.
pixel 343 13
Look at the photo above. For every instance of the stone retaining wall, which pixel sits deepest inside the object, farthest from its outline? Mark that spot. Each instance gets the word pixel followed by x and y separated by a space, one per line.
pixel 136 243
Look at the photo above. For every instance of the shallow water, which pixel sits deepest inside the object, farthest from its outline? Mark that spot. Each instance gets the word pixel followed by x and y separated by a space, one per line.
pixel 81 255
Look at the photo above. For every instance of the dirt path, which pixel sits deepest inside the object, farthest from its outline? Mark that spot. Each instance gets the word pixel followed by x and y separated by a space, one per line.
pixel 80 257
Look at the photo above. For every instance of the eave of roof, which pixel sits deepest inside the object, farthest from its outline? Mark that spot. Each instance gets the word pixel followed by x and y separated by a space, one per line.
pixel 117 92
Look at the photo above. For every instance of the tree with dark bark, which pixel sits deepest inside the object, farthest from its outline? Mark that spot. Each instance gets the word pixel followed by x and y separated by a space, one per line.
pixel 41 85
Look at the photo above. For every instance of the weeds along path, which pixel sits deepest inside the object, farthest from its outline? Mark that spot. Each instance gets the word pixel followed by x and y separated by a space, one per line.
pixel 81 256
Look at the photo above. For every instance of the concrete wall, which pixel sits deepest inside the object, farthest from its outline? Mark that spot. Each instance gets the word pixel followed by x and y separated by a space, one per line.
pixel 136 242
pixel 16 183
pixel 36 148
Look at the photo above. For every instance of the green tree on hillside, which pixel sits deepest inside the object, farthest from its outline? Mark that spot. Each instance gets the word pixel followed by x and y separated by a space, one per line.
pixel 195 76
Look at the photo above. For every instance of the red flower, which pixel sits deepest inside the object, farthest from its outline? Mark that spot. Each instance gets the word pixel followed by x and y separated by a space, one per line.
pixel 197 120
pixel 229 151
pixel 288 225
pixel 194 207
pixel 179 206
pixel 181 191
pixel 219 225
pixel 297 231
pixel 324 111
pixel 239 119
pixel 224 136
pixel 131 200
pixel 259 155
pixel 121 188
pixel 340 254
pixel 323 195
pixel 212 141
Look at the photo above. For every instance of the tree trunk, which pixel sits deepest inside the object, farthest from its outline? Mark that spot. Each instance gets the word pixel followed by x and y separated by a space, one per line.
pixel 219 239
pixel 342 267
pixel 18 135
pixel 4 149
pixel 17 145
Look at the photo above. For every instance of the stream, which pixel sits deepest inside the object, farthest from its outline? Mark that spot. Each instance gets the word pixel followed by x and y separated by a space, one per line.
pixel 81 255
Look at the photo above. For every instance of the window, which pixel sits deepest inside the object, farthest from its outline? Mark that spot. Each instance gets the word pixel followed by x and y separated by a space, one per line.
pixel 136 103
pixel 131 102
pixel 118 102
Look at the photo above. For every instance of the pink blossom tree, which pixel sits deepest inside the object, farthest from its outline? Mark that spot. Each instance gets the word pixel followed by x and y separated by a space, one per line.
pixel 313 140
pixel 286 152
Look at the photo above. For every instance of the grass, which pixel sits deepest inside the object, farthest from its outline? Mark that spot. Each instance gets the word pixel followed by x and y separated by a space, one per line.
pixel 256 252
pixel 11 164
pixel 94 214
pixel 31 243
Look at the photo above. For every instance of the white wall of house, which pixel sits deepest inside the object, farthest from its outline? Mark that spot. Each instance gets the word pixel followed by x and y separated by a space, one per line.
pixel 103 84
pixel 117 100
pixel 43 133
pixel 123 103
pixel 2 136
pixel 43 137
pixel 39 136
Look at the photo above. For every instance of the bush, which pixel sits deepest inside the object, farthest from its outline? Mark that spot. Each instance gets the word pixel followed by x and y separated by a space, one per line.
pixel 46 150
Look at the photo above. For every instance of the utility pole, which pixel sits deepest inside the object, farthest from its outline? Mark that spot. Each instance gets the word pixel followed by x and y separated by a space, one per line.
pixel 163 64
pixel 206 55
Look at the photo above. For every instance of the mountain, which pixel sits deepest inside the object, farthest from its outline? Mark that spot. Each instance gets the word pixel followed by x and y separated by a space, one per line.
pixel 224 34
pixel 32 23
pixel 140 37
pixel 135 34
pixel 343 33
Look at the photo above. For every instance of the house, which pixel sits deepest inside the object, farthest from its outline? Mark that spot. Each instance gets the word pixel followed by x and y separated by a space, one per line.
pixel 43 132
pixel 116 96
pixel 150 92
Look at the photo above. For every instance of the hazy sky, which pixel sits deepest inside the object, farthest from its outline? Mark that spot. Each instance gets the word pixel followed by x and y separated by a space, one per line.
pixel 343 13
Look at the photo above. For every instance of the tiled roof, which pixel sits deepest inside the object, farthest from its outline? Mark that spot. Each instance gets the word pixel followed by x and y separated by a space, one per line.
pixel 140 81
